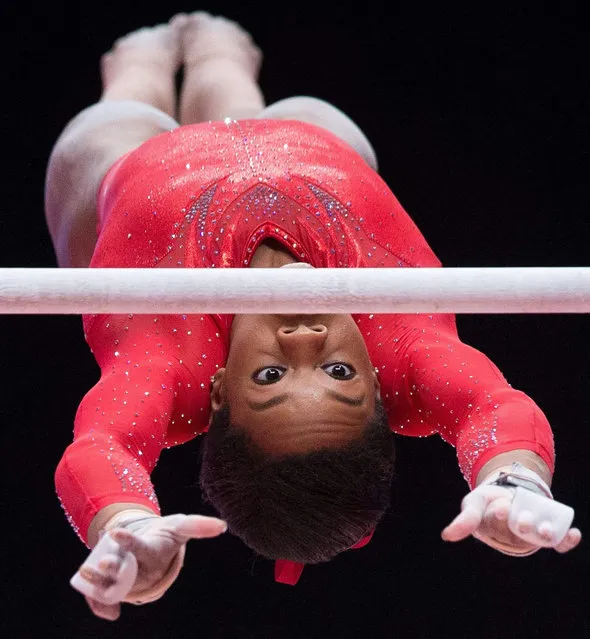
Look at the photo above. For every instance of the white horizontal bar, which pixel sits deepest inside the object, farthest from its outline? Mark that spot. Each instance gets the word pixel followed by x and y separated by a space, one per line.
pixel 244 290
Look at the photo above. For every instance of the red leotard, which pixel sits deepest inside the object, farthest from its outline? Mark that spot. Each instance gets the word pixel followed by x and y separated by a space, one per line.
pixel 205 196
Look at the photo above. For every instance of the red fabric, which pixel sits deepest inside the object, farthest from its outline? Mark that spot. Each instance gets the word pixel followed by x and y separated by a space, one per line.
pixel 289 572
pixel 206 196
pixel 363 542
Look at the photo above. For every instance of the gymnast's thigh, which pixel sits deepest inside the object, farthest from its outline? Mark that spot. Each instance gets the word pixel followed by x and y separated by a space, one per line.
pixel 87 148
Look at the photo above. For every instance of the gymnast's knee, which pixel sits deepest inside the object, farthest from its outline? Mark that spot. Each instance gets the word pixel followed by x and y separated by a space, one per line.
pixel 323 114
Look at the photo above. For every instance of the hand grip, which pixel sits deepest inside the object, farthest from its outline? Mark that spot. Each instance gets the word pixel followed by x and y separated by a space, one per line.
pixel 543 509
pixel 125 579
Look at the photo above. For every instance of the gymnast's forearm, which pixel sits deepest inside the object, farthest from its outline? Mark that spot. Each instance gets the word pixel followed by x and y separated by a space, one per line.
pixel 144 402
pixel 118 436
pixel 97 471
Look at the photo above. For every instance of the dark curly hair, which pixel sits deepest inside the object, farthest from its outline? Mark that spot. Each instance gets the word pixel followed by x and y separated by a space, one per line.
pixel 305 507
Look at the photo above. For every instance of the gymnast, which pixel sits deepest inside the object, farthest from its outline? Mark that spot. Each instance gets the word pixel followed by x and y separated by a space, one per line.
pixel 299 410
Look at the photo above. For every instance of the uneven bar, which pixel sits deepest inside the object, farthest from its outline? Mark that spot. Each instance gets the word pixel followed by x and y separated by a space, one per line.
pixel 244 290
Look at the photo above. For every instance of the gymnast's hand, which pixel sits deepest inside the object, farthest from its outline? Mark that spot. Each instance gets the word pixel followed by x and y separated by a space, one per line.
pixel 514 521
pixel 138 558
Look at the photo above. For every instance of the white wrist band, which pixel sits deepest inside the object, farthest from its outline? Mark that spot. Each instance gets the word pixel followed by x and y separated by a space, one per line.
pixel 520 477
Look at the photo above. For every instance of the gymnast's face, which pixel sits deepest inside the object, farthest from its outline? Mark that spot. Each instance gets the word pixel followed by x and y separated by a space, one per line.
pixel 297 382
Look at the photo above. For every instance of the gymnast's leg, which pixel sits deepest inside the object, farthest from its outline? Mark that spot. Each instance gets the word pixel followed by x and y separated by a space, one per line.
pixel 327 116
pixel 221 64
pixel 138 102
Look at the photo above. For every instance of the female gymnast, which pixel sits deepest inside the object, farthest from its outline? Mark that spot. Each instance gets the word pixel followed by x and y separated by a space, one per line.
pixel 298 410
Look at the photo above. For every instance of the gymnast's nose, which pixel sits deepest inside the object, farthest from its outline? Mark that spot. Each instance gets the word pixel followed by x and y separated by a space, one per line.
pixel 300 339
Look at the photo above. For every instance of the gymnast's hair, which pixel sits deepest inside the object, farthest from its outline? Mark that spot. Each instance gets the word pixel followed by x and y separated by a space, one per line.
pixel 305 507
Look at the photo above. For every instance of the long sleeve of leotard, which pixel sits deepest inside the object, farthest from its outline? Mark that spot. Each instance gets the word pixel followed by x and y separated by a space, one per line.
pixel 148 398
pixel 435 383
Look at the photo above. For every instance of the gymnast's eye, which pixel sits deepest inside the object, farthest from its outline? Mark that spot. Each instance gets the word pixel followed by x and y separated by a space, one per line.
pixel 269 374
pixel 338 370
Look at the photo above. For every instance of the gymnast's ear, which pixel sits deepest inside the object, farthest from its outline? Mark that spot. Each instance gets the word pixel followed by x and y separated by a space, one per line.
pixel 217 394
pixel 376 384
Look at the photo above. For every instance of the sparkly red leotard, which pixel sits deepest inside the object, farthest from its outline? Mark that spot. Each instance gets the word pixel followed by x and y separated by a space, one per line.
pixel 206 196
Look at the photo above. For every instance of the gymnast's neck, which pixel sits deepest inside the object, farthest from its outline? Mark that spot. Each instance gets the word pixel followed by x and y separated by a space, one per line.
pixel 271 254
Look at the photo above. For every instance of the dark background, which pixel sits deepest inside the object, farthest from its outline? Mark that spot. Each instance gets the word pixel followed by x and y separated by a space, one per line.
pixel 480 121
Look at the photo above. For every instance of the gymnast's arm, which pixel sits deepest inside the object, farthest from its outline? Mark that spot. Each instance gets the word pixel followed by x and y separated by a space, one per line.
pixel 443 385
pixel 145 401
pixel 120 430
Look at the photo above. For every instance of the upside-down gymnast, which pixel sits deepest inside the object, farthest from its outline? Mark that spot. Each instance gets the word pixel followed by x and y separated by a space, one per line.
pixel 299 410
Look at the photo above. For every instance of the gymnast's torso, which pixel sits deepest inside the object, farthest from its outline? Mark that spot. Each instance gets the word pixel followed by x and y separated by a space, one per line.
pixel 206 196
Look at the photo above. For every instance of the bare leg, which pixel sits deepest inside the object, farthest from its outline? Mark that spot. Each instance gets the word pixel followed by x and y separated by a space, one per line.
pixel 142 66
pixel 137 103
pixel 221 71
pixel 327 116
pixel 221 64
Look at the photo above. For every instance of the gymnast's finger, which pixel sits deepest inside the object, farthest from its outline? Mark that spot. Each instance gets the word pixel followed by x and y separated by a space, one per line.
pixel 473 507
pixel 110 565
pixel 499 509
pixel 545 531
pixel 128 541
pixel 525 522
pixel 110 612
pixel 200 527
pixel 96 577
pixel 571 540
pixel 464 524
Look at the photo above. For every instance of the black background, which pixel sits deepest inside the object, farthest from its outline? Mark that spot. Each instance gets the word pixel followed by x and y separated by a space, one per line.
pixel 480 121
